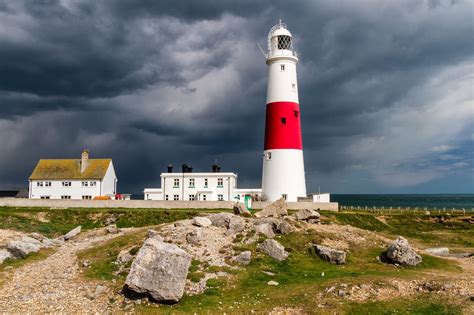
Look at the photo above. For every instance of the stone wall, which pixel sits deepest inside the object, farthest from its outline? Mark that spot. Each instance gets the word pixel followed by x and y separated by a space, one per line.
pixel 155 204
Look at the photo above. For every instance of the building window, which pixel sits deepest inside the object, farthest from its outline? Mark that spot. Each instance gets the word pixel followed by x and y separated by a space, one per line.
pixel 282 67
pixel 220 197
pixel 65 197
pixel 176 183
pixel 285 196
pixel 191 183
pixel 220 182
pixel 47 184
pixel 39 184
pixel 204 197
pixel 192 197
pixel 293 85
pixel 85 184
pixel 167 197
pixel 93 184
pixel 283 120
pixel 268 156
pixel 87 197
pixel 44 197
pixel 205 182
pixel 175 197
pixel 66 184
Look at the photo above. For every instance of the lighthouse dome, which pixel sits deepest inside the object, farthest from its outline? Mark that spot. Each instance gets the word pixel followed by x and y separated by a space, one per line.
pixel 280 41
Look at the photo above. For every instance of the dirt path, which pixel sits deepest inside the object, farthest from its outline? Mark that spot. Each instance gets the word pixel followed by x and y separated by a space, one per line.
pixel 52 285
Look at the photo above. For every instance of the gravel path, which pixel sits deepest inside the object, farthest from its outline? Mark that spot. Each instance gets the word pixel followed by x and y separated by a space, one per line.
pixel 52 285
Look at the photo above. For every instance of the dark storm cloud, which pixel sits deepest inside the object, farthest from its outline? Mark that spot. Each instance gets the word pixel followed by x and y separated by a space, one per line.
pixel 152 82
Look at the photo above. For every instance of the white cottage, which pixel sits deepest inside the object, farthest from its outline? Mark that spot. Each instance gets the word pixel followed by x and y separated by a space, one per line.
pixel 73 178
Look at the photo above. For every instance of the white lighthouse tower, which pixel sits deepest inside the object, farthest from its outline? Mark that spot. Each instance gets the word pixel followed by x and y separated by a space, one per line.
pixel 283 163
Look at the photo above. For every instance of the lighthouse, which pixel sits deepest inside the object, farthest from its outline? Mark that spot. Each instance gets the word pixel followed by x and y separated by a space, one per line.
pixel 283 164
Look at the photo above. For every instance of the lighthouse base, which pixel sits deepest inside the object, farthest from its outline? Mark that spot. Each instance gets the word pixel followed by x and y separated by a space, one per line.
pixel 283 175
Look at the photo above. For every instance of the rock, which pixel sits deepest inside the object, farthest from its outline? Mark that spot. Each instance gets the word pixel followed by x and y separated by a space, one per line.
pixel 331 255
pixel 202 221
pixel 220 219
pixel 268 273
pixel 314 221
pixel 273 249
pixel 331 289
pixel 285 228
pixel 112 229
pixel 194 237
pixel 307 214
pixel 124 257
pixel 20 249
pixel 438 251
pixel 271 282
pixel 276 209
pixel 46 242
pixel 243 258
pixel 240 209
pixel 151 233
pixel 183 223
pixel 341 293
pixel 236 224
pixel 400 252
pixel 4 255
pixel 265 229
pixel 98 291
pixel 159 270
pixel 109 220
pixel 37 236
pixel 74 232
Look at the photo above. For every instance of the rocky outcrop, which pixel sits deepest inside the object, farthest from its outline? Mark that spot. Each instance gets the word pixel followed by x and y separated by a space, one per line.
pixel 276 210
pixel 202 222
pixel 240 209
pixel 273 249
pixel 265 229
pixel 159 270
pixel 331 255
pixel 243 258
pixel 21 248
pixel 307 214
pixel 400 252
pixel 74 232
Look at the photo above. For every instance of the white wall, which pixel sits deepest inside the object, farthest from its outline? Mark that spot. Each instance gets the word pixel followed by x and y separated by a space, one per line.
pixel 322 198
pixel 109 181
pixel 76 190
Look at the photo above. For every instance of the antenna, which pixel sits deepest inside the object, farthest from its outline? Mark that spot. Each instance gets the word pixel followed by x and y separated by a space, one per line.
pixel 261 49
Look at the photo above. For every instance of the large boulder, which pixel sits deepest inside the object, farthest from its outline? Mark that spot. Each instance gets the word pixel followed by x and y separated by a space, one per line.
pixel 220 219
pixel 74 232
pixel 276 210
pixel 331 255
pixel 307 214
pixel 159 270
pixel 400 252
pixel 202 222
pixel 25 246
pixel 265 229
pixel 4 255
pixel 240 209
pixel 273 249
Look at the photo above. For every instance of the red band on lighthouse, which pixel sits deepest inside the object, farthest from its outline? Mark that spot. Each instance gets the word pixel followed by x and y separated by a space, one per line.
pixel 283 127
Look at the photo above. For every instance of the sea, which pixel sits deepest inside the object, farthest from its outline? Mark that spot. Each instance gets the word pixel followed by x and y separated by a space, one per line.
pixel 398 200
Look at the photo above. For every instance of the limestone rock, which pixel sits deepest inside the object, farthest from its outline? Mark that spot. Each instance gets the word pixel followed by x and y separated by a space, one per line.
pixel 438 251
pixel 400 252
pixel 112 229
pixel 74 232
pixel 159 270
pixel 124 256
pixel 276 209
pixel 236 224
pixel 202 221
pixel 4 255
pixel 21 248
pixel 151 233
pixel 273 249
pixel 271 282
pixel 285 228
pixel 37 236
pixel 240 209
pixel 307 214
pixel 100 289
pixel 194 237
pixel 265 229
pixel 220 219
pixel 331 255
pixel 243 258
pixel 183 222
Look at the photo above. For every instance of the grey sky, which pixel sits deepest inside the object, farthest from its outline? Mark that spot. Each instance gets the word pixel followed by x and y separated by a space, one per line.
pixel 386 89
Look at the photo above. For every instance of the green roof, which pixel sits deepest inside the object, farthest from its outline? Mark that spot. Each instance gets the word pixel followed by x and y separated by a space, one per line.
pixel 70 169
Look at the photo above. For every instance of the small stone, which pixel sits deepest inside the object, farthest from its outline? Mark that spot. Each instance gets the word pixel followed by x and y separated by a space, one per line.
pixel 74 232
pixel 322 274
pixel 307 214
pixel 194 237
pixel 243 258
pixel 331 289
pixel 271 282
pixel 112 229
pixel 268 273
pixel 341 293
pixel 202 221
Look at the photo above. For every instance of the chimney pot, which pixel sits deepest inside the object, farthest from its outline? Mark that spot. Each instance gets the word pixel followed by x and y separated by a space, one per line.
pixel 84 160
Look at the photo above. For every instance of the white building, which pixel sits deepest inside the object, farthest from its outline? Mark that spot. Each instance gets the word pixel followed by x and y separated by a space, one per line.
pixel 73 178
pixel 189 186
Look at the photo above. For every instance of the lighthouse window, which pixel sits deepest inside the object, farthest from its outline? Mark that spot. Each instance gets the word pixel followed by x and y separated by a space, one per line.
pixel 283 120
pixel 284 42
pixel 282 67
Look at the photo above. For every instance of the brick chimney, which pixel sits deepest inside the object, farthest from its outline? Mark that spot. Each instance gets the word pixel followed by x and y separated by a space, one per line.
pixel 84 160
